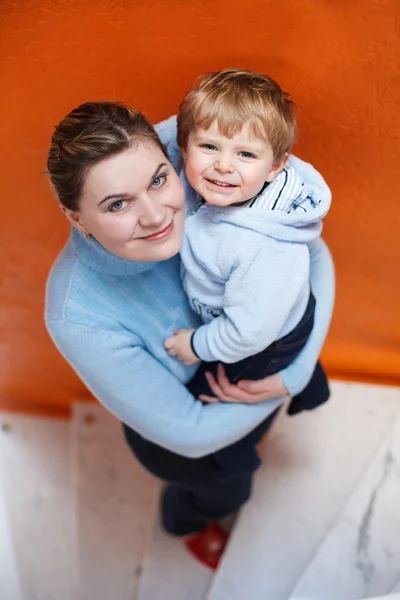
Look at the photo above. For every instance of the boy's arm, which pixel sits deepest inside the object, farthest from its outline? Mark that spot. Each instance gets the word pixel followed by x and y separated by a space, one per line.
pixel 258 298
pixel 295 377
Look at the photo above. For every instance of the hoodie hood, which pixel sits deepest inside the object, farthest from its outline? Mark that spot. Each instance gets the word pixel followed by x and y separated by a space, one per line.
pixel 290 209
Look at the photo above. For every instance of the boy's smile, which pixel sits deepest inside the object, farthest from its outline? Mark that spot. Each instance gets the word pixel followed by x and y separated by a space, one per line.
pixel 227 171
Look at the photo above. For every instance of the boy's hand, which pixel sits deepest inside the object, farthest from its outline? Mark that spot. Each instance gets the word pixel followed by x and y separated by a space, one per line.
pixel 179 345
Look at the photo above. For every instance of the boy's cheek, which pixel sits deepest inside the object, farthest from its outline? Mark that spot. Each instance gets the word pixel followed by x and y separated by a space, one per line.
pixel 196 164
pixel 190 170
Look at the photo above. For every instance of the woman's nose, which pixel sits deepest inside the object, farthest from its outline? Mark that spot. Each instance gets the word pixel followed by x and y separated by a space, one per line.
pixel 152 213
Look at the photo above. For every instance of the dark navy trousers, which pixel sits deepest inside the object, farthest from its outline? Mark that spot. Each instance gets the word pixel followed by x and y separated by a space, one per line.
pixel 209 488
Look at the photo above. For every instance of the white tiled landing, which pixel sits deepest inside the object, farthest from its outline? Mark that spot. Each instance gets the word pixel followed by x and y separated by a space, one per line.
pixel 35 467
pixel 169 570
pixel 10 588
pixel 312 463
pixel 360 556
pixel 114 500
pixel 387 597
pixel 396 589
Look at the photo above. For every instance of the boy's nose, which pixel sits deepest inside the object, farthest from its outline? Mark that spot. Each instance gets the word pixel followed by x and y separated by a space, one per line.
pixel 224 165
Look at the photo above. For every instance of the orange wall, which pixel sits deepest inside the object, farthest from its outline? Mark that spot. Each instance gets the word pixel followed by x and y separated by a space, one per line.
pixel 340 60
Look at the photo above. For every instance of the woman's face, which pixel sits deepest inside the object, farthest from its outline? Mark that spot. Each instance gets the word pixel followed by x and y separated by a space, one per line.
pixel 133 204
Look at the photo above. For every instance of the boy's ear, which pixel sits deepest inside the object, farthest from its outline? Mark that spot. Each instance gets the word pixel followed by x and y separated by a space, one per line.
pixel 277 168
pixel 184 154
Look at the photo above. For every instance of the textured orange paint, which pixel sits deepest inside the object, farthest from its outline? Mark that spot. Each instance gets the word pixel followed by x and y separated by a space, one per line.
pixel 340 60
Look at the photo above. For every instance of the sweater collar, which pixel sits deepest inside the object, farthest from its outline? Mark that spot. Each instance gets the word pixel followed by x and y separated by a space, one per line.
pixel 97 258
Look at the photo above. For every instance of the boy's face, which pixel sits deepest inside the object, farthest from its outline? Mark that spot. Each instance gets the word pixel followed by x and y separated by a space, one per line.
pixel 227 171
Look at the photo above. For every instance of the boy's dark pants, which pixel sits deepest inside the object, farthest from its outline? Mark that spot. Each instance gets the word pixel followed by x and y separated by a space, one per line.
pixel 213 486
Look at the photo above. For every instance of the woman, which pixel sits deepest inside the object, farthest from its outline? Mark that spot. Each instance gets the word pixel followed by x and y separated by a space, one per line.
pixel 114 295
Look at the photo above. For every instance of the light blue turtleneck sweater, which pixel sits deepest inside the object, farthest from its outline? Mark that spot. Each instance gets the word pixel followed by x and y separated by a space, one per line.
pixel 109 318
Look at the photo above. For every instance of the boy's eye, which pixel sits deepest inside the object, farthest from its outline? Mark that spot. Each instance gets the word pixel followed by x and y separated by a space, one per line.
pixel 118 206
pixel 208 146
pixel 159 181
pixel 245 154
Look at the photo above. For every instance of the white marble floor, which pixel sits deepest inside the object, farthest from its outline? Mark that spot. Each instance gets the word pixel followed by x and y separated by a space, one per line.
pixel 35 467
pixel 360 557
pixel 114 498
pixel 396 589
pixel 169 571
pixel 387 597
pixel 10 586
pixel 312 463
pixel 79 516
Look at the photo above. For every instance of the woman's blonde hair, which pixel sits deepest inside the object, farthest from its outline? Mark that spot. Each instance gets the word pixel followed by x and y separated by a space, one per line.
pixel 233 97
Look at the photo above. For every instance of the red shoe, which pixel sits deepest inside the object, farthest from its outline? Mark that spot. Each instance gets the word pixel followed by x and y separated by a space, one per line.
pixel 209 545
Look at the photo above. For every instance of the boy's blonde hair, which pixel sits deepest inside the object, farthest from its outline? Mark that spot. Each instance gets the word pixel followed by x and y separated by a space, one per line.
pixel 233 97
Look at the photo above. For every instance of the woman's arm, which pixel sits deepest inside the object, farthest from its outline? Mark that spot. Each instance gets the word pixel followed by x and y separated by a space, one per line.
pixel 297 375
pixel 142 393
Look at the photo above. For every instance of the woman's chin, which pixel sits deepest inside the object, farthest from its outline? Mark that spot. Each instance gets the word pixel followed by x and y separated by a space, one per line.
pixel 142 251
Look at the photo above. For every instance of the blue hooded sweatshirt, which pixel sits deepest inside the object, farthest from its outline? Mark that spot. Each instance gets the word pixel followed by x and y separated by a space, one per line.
pixel 246 268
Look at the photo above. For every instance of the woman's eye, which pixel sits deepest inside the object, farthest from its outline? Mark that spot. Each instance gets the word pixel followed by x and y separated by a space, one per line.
pixel 245 154
pixel 159 181
pixel 118 205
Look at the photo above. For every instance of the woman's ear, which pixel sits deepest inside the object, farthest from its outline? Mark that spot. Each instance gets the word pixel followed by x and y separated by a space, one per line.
pixel 74 218
pixel 277 168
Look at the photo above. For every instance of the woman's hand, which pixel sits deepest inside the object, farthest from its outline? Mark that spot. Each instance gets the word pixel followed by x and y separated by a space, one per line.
pixel 246 391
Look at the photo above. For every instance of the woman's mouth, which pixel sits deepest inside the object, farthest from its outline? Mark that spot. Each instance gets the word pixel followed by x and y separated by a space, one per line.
pixel 162 234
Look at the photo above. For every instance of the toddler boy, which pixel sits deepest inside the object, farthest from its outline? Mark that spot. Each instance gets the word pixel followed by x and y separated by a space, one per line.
pixel 245 256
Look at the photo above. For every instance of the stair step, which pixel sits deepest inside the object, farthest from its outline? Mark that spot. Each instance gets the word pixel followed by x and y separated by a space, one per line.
pixel 387 597
pixel 312 462
pixel 360 556
pixel 10 587
pixel 169 570
pixel 34 456
pixel 114 496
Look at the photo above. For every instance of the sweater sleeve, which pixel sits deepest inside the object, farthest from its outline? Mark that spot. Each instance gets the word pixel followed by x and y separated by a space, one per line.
pixel 142 393
pixel 258 299
pixel 297 375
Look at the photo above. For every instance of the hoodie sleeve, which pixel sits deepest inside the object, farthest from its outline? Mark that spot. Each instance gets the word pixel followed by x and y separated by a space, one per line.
pixel 322 275
pixel 258 299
